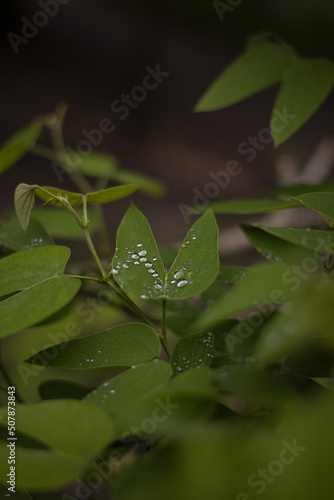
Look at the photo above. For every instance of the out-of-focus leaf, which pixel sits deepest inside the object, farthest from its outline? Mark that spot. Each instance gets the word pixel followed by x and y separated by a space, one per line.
pixel 276 249
pixel 111 194
pixel 323 203
pixel 14 237
pixel 19 144
pixel 304 89
pixel 259 67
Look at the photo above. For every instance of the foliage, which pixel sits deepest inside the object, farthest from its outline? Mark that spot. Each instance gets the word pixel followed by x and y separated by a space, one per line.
pixel 195 381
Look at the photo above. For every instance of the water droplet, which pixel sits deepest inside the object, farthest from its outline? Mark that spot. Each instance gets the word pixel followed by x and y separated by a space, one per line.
pixel 178 274
pixel 157 286
pixel 136 263
pixel 114 271
pixel 183 245
pixel 134 256
pixel 200 360
pixel 151 271
pixel 173 281
pixel 143 259
pixel 142 253
pixel 139 244
pixel 143 297
pixel 182 283
pixel 125 266
pixel 194 237
pixel 154 259
pixel 112 391
pixel 178 368
pixel 155 275
pixel 148 264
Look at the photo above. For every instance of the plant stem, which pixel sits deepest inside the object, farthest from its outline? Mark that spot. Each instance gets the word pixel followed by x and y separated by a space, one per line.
pixel 165 345
pixel 162 335
pixel 130 303
pixel 87 278
pixel 84 226
pixel 163 321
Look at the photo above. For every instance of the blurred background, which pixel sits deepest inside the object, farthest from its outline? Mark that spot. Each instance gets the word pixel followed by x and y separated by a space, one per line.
pixel 92 52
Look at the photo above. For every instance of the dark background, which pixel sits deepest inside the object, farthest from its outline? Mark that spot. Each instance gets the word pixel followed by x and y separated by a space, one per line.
pixel 93 51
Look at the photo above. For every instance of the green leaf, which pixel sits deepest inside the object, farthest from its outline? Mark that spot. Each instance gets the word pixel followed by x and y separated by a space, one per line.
pixel 180 314
pixel 61 224
pixel 123 345
pixel 19 144
pixel 308 238
pixel 119 393
pixel 14 237
pixel 298 189
pixel 138 267
pixel 39 470
pixel 24 203
pixel 111 194
pixel 246 207
pixel 310 312
pixel 275 249
pixel 146 184
pixel 25 269
pixel 73 198
pixel 261 387
pixel 36 303
pixel 232 274
pixel 260 66
pixel 37 274
pixel 306 87
pixel 197 263
pixel 240 340
pixel 100 165
pixel 137 264
pixel 78 433
pixel 193 351
pixel 323 203
pixel 263 283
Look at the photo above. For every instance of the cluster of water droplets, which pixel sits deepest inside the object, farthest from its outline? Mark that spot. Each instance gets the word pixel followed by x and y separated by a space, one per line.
pixel 89 360
pixel 103 393
pixel 183 275
pixel 184 363
pixel 138 256
pixel 34 242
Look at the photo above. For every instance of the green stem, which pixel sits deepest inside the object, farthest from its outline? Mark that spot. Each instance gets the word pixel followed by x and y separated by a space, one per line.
pixel 165 345
pixel 163 321
pixel 130 303
pixel 93 251
pixel 87 278
pixel 84 227
pixel 162 335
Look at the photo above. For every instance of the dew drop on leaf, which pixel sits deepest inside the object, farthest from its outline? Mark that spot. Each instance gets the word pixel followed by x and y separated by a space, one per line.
pixel 178 274
pixel 182 283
